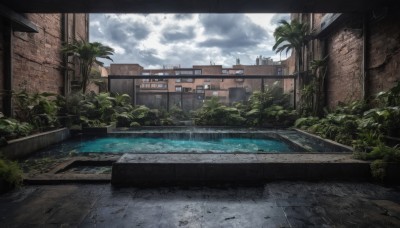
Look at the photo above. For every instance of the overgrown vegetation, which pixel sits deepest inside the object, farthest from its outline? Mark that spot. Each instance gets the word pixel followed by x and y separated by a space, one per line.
pixel 87 53
pixel 37 109
pixel 367 128
pixel 214 113
pixel 10 174
pixel 12 128
pixel 270 108
pixel 34 112
pixel 99 110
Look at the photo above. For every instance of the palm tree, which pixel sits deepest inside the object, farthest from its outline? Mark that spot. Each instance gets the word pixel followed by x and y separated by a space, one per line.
pixel 87 53
pixel 291 36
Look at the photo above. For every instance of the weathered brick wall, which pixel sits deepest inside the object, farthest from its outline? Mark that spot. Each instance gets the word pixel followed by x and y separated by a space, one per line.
pixel 77 29
pixel 255 84
pixel 211 70
pixel 384 53
pixel 125 69
pixel 344 78
pixel 1 64
pixel 344 46
pixel 37 59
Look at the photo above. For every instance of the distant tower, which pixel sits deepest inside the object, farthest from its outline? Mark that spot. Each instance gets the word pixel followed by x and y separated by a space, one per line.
pixel 257 61
pixel 237 61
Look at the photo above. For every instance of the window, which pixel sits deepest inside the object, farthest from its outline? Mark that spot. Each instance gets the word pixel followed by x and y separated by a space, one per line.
pixel 199 89
pixel 279 71
pixel 187 80
pixel 197 72
pixel 178 88
pixel 239 72
pixel 189 72
pixel 233 71
pixel 186 90
pixel 145 86
pixel 215 93
pixel 184 72
pixel 145 80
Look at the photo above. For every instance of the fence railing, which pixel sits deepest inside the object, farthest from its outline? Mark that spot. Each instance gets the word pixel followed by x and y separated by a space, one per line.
pixel 190 95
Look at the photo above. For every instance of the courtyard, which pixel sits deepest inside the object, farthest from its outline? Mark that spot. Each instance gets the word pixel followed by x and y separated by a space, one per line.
pixel 274 204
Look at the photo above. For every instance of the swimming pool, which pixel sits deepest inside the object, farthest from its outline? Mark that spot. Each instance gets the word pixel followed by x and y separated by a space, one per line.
pixel 198 140
pixel 165 145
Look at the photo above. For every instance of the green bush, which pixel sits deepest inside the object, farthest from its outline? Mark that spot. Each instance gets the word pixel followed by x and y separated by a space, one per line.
pixel 38 109
pixel 11 128
pixel 177 114
pixel 269 108
pixel 214 113
pixel 381 156
pixel 278 115
pixel 11 173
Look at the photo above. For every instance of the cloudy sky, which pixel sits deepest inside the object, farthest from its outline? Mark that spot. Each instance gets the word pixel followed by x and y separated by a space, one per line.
pixel 155 40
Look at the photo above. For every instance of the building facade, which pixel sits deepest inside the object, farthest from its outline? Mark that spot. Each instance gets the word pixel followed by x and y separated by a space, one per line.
pixel 225 89
pixel 363 53
pixel 30 57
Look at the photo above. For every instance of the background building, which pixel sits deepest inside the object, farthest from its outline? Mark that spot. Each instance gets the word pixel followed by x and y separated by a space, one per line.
pixel 164 92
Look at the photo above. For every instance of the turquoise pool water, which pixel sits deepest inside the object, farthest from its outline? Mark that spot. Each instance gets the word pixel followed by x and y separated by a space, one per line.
pixel 162 145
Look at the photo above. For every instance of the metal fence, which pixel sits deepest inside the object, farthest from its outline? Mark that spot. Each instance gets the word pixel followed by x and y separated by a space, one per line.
pixel 188 92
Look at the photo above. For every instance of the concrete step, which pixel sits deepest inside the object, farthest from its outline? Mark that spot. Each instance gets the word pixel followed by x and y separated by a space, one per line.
pixel 165 169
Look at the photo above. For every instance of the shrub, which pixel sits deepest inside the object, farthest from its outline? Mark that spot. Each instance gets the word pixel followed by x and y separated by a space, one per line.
pixel 38 109
pixel 10 173
pixel 11 128
pixel 215 113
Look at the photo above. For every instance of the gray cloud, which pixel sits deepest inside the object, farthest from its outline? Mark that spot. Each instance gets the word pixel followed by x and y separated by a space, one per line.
pixel 183 16
pixel 278 17
pixel 185 58
pixel 120 31
pixel 149 57
pixel 177 34
pixel 237 31
pixel 226 37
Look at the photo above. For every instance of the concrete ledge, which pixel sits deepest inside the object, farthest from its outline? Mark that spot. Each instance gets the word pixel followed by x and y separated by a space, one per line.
pixel 100 131
pixel 67 178
pixel 23 147
pixel 161 169
pixel 343 147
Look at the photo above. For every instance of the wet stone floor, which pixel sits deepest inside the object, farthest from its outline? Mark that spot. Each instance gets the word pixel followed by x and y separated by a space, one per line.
pixel 275 204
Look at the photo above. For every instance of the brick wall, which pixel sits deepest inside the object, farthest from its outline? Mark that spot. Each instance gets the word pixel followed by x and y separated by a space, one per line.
pixel 345 61
pixel 37 59
pixel 125 69
pixel 344 78
pixel 37 62
pixel 384 53
pixel 344 46
pixel 1 64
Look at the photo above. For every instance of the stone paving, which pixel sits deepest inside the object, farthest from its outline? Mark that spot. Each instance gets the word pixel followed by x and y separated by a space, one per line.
pixel 275 204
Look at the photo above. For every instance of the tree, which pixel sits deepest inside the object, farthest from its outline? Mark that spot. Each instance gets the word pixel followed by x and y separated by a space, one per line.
pixel 291 36
pixel 87 54
pixel 319 70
